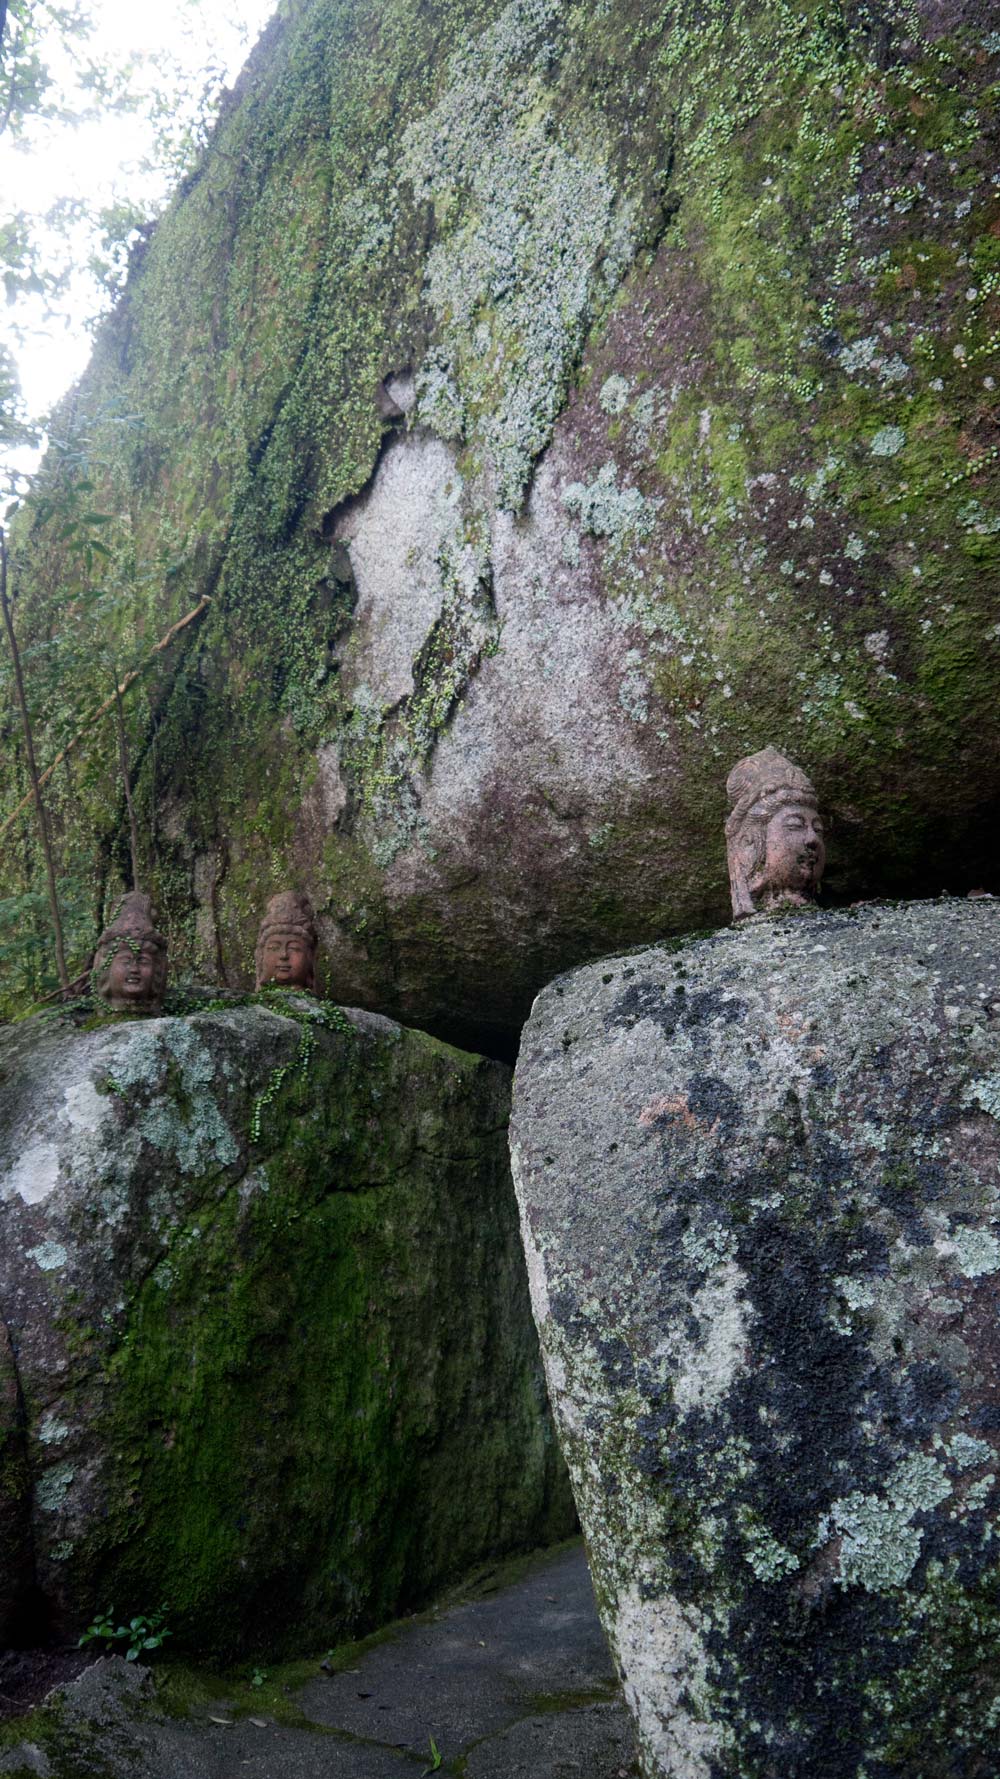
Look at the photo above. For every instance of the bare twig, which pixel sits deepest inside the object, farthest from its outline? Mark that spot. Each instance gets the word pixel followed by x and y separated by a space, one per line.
pixel 76 987
pixel 36 783
pixel 102 709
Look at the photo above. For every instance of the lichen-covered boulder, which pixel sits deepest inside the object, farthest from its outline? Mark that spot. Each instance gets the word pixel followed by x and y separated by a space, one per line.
pixel 759 1178
pixel 557 403
pixel 272 1360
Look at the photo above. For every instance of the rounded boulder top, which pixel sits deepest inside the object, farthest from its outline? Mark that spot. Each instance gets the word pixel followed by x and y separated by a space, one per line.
pixel 759 1177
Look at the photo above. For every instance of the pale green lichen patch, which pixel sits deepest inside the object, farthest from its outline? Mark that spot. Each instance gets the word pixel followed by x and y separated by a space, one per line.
pixel 52 1431
pixel 622 515
pixel 768 1559
pixel 979 1492
pixel 50 1256
pixel 879 1542
pixel 614 395
pixel 186 1123
pixel 976 1252
pixel 535 236
pixel 53 1486
pixel 984 1093
pixel 967 1452
pixel 888 441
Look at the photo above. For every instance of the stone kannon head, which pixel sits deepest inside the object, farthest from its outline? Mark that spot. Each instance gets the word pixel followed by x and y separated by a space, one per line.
pixel 286 944
pixel 130 964
pixel 774 835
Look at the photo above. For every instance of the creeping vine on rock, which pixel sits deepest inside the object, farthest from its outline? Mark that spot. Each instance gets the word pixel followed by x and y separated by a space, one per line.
pixel 329 1018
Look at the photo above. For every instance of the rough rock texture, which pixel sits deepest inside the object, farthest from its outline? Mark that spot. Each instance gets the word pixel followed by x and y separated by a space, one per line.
pixel 558 402
pixel 759 1178
pixel 260 1274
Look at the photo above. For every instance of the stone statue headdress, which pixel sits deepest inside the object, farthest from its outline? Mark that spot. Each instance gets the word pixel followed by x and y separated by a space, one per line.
pixel 759 788
pixel 130 964
pixel 288 915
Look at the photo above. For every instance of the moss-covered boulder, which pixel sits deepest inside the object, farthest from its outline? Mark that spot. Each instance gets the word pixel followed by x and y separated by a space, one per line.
pixel 558 402
pixel 759 1178
pixel 261 1279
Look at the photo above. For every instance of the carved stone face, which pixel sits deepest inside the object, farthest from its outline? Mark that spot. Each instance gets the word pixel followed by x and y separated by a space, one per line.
pixel 132 974
pixel 774 834
pixel 795 854
pixel 288 960
pixel 130 965
pixel 132 977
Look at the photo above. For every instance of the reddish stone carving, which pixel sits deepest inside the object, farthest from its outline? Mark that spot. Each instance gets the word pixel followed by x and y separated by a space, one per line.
pixel 130 965
pixel 774 835
pixel 286 944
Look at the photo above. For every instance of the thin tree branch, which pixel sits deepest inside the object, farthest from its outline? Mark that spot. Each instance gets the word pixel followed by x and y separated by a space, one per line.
pixel 102 709
pixel 36 783
pixel 133 835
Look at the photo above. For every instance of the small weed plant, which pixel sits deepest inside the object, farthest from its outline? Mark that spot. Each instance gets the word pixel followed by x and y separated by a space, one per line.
pixel 145 1633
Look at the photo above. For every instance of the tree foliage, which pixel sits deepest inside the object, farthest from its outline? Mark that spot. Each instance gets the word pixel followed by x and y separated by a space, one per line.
pixel 72 662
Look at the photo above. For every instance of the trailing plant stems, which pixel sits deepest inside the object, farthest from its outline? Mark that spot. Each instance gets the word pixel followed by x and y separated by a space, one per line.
pixel 43 826
pixel 133 832
pixel 102 709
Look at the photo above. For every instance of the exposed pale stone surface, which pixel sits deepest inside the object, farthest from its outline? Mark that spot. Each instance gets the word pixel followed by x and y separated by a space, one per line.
pixel 396 535
pixel 269 1358
pixel 759 1177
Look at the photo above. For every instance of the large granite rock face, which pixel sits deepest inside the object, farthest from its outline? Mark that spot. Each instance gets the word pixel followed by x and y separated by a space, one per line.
pixel 759 1178
pixel 558 403
pixel 272 1360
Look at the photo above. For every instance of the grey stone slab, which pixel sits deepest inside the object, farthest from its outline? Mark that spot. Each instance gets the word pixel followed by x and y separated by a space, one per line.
pixel 477 1668
pixel 242 1751
pixel 591 1742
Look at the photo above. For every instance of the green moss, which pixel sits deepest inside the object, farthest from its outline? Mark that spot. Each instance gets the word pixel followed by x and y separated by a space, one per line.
pixel 942 1698
pixel 323 1399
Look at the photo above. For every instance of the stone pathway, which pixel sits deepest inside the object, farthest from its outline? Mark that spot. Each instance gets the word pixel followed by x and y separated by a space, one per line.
pixel 514 1684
